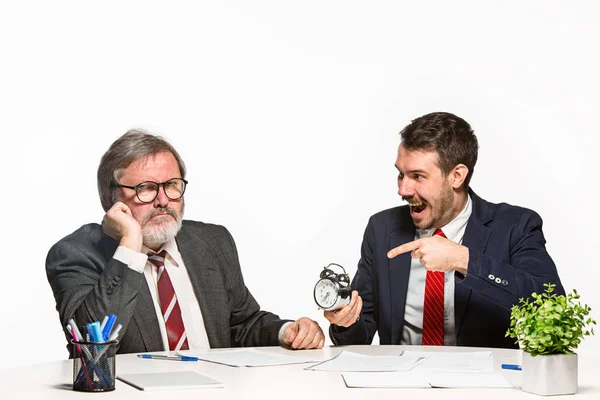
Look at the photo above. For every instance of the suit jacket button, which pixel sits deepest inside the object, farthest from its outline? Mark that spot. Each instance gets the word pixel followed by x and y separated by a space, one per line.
pixel 491 277
pixel 498 280
pixel 505 283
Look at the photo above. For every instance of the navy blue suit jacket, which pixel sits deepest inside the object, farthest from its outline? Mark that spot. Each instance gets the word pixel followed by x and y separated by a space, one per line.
pixel 507 260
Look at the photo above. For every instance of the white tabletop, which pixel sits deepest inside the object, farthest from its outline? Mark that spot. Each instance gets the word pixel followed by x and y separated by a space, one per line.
pixel 54 380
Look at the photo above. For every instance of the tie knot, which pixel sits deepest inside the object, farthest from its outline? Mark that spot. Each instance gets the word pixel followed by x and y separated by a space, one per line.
pixel 158 259
pixel 438 232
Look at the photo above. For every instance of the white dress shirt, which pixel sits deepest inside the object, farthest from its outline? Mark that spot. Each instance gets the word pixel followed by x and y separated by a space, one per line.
pixel 412 333
pixel 188 303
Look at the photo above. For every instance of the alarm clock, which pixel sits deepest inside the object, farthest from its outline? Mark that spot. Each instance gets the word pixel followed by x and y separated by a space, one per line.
pixel 332 290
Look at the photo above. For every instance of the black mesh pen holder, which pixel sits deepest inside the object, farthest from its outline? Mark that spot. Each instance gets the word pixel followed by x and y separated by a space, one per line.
pixel 94 366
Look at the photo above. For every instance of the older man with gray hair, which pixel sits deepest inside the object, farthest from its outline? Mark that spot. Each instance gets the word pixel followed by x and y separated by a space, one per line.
pixel 174 284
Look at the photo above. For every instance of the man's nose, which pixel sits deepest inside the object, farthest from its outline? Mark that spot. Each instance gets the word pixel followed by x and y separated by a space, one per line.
pixel 161 199
pixel 405 189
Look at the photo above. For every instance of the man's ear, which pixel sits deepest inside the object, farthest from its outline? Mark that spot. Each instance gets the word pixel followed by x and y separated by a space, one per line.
pixel 458 175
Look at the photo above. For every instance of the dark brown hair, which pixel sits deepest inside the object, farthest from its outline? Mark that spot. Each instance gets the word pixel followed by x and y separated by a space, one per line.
pixel 450 136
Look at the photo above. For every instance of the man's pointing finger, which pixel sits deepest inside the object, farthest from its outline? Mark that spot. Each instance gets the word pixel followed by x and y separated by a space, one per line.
pixel 410 246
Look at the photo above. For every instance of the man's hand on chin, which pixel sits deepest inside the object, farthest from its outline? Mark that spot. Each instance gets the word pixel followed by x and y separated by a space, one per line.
pixel 119 224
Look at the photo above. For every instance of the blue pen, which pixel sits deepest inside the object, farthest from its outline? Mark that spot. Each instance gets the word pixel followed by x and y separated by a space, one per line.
pixel 108 327
pixel 103 323
pixel 511 366
pixel 163 357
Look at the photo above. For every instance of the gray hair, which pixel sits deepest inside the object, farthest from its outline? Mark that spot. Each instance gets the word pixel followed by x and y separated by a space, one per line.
pixel 133 145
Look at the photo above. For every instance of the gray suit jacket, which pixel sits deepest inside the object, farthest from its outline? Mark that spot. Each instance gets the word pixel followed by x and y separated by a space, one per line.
pixel 88 283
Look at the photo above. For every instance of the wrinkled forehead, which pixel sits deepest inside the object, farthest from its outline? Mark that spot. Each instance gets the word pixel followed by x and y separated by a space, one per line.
pixel 162 163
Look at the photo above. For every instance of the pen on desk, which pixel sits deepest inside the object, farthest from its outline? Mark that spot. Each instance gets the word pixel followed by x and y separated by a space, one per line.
pixel 511 366
pixel 163 357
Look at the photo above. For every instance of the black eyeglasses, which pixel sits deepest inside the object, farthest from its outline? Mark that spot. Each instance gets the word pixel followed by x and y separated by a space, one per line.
pixel 147 191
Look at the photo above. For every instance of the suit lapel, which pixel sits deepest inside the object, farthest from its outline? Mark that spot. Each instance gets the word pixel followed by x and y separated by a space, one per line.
pixel 399 272
pixel 476 238
pixel 144 314
pixel 200 263
pixel 146 319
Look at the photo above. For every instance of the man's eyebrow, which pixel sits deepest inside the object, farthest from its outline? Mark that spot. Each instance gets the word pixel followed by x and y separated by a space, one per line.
pixel 412 171
pixel 417 171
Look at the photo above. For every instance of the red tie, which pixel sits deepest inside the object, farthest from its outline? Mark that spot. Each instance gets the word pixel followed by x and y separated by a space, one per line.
pixel 433 308
pixel 169 305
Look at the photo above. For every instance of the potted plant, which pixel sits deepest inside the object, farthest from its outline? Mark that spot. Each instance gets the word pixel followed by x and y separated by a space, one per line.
pixel 548 329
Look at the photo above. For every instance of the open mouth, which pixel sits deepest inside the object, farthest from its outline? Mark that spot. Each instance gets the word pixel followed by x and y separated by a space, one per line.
pixel 417 208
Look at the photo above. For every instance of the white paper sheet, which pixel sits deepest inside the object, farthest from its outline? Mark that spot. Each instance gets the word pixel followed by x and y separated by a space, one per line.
pixel 408 379
pixel 346 361
pixel 475 361
pixel 423 379
pixel 468 380
pixel 247 357
pixel 173 380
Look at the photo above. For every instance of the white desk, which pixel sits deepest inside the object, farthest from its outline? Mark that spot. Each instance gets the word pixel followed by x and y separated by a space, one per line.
pixel 54 380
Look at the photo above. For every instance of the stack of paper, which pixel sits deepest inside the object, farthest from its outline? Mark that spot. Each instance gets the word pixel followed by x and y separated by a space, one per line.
pixel 441 370
pixel 247 357
pixel 475 361
pixel 347 361
pixel 409 379
pixel 468 380
pixel 422 379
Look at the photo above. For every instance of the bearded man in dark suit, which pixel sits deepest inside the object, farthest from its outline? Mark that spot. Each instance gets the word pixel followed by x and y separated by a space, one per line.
pixel 446 268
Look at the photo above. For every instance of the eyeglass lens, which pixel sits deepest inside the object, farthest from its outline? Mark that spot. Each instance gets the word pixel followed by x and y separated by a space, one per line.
pixel 148 191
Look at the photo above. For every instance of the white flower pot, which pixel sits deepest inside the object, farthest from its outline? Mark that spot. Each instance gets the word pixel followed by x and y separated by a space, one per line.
pixel 550 375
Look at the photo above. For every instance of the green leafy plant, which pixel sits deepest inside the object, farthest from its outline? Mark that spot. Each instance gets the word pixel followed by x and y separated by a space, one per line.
pixel 550 324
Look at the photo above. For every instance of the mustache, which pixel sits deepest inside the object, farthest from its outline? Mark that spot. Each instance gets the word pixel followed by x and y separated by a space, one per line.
pixel 161 211
pixel 414 200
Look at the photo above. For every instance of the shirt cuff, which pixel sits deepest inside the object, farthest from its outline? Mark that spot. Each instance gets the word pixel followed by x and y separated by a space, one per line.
pixel 281 330
pixel 134 260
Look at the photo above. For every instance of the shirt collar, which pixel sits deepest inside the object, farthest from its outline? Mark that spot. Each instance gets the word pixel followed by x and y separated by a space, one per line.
pixel 453 229
pixel 172 250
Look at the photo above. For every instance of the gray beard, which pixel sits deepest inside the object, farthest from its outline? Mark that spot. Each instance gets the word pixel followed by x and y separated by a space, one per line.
pixel 163 232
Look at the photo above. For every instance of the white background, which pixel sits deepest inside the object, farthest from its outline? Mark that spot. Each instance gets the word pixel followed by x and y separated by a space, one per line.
pixel 287 115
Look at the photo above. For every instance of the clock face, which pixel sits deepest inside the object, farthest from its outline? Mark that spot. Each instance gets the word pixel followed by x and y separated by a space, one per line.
pixel 326 293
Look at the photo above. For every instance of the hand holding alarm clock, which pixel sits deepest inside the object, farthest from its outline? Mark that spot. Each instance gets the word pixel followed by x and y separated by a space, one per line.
pixel 332 293
pixel 332 290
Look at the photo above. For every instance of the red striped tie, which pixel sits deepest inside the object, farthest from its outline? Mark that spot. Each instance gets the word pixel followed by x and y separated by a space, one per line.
pixel 169 305
pixel 433 308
